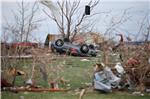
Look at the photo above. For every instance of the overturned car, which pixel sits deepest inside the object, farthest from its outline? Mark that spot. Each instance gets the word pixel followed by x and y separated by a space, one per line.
pixel 64 46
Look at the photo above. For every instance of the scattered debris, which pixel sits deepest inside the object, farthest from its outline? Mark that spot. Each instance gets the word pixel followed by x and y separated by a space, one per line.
pixel 5 83
pixel 64 81
pixel 84 60
pixel 30 82
pixel 105 80
pixel 132 61
pixel 24 89
pixel 26 93
pixel 100 80
pixel 138 93
pixel 119 68
pixel 21 97
pixel 148 90
pixel 14 72
pixel 82 93
pixel 54 85
pixel 88 84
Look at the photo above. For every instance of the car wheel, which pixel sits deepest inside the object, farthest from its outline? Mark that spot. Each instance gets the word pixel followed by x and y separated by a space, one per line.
pixel 84 48
pixel 91 46
pixel 59 43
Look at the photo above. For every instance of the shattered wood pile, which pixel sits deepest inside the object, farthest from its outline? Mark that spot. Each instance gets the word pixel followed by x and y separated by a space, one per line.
pixel 135 60
pixel 138 67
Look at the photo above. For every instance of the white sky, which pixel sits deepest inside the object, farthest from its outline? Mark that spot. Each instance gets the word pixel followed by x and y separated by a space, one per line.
pixel 139 9
pixel 86 0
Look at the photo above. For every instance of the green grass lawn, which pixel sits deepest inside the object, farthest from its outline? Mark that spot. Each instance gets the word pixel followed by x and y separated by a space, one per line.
pixel 78 73
pixel 71 95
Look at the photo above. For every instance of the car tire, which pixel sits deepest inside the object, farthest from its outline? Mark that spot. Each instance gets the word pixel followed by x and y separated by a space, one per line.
pixel 59 43
pixel 91 46
pixel 84 49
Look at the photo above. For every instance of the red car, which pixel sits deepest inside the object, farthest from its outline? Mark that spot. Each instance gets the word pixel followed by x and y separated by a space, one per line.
pixel 24 44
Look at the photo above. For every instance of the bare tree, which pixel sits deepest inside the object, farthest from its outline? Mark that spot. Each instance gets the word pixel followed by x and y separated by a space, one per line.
pixel 20 30
pixel 144 30
pixel 68 16
pixel 25 21
pixel 116 22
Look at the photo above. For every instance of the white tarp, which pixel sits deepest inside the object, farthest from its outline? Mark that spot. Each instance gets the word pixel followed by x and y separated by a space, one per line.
pixel 106 80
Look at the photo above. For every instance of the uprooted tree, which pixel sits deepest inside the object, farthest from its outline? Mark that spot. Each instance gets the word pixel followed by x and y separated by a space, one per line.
pixel 69 17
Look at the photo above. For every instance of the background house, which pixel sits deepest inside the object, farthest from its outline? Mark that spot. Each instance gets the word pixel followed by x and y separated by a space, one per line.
pixel 50 38
pixel 89 38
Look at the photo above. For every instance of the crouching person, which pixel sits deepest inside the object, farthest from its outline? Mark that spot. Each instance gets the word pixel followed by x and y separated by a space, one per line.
pixel 100 80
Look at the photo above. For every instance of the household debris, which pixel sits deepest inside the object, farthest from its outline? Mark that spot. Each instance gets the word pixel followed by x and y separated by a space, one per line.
pixel 15 72
pixel 105 80
pixel 5 83
pixel 85 60
pixel 21 97
pixel 119 68
pixel 24 89
pixel 30 83
pixel 138 93
pixel 148 90
pixel 64 81
pixel 54 85
pixel 82 93
pixel 136 68
pixel 133 61
pixel 30 86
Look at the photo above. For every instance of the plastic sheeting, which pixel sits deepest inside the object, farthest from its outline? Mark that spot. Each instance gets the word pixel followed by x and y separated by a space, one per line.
pixel 119 68
pixel 105 80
